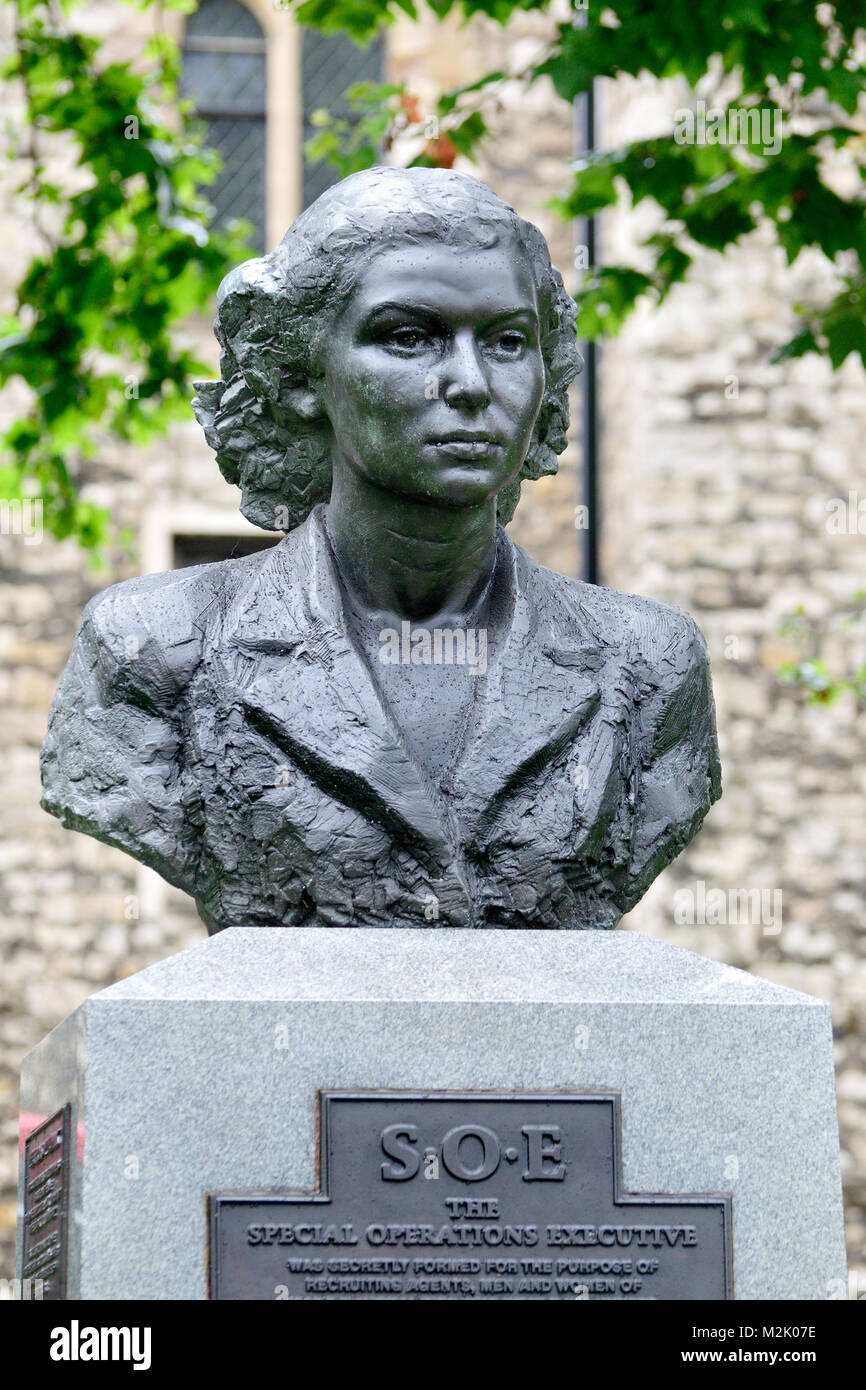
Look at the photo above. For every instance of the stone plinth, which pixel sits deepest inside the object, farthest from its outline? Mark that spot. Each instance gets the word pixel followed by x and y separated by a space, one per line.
pixel 201 1075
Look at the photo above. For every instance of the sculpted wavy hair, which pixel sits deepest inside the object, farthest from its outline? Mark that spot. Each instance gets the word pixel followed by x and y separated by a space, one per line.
pixel 274 314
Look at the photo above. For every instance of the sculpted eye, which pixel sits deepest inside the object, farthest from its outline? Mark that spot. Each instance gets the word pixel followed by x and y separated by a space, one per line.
pixel 509 343
pixel 407 339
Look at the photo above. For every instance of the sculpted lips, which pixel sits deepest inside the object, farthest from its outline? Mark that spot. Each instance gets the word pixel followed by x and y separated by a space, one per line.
pixel 466 444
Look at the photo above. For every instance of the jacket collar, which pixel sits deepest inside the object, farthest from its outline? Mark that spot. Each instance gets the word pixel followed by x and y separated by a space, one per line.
pixel 324 710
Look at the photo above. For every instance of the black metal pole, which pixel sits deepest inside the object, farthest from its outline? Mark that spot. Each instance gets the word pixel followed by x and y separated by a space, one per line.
pixel 585 142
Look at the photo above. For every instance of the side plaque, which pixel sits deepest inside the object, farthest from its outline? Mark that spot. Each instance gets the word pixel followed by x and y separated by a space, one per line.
pixel 46 1204
pixel 442 1196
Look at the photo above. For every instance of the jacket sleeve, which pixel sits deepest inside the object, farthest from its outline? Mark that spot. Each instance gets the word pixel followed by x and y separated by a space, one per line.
pixel 113 757
pixel 679 775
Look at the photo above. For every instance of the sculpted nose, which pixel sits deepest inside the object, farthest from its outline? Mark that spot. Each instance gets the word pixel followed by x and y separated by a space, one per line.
pixel 465 382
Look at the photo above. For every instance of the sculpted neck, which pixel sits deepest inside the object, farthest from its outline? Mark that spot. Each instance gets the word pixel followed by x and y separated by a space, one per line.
pixel 408 559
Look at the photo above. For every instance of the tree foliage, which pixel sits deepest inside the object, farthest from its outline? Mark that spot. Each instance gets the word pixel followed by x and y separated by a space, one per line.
pixel 122 255
pixel 123 252
pixel 798 67
pixel 811 674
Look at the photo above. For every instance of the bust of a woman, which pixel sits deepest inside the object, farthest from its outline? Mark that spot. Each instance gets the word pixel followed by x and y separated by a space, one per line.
pixel 394 717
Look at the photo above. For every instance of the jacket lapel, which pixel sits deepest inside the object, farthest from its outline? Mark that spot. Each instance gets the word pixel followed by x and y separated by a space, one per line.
pixel 302 683
pixel 540 691
pixel 308 690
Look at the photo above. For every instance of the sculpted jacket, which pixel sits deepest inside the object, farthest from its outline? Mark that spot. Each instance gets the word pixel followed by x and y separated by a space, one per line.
pixel 219 724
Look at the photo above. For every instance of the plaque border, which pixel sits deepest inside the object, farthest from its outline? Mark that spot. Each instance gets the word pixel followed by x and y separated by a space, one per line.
pixel 322 1193
pixel 64 1115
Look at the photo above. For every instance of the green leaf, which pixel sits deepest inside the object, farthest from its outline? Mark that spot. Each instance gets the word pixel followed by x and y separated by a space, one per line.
pixel 133 258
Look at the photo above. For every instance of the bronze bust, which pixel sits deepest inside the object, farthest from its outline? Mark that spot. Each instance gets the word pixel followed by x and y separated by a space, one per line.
pixel 394 716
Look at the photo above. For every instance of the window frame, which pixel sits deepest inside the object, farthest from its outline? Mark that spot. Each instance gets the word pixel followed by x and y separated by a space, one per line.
pixel 283 112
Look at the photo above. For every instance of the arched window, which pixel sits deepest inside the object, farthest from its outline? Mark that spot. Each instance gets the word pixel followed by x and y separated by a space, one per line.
pixel 329 64
pixel 224 76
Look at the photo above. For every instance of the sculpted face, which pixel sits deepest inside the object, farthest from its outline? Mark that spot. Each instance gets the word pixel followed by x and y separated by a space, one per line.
pixel 433 374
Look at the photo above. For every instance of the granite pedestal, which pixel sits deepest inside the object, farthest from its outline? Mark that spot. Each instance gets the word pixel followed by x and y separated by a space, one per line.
pixel 201 1074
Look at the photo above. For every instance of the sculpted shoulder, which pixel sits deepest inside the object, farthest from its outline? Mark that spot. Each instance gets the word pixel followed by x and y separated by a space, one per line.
pixel 661 637
pixel 149 633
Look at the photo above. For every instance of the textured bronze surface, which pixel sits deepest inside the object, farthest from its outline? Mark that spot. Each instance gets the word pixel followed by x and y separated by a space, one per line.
pixel 470 1197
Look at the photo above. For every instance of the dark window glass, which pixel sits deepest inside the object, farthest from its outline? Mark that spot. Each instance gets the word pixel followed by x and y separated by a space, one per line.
pixel 329 64
pixel 205 550
pixel 224 76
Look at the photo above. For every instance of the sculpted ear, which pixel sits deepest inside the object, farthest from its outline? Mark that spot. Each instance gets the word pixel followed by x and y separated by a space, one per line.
pixel 305 400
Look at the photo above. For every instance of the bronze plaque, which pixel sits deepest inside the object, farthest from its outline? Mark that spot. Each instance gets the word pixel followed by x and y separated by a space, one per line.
pixel 47 1157
pixel 441 1196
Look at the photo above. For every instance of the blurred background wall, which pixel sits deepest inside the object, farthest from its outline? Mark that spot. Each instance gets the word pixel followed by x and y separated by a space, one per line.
pixel 716 470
